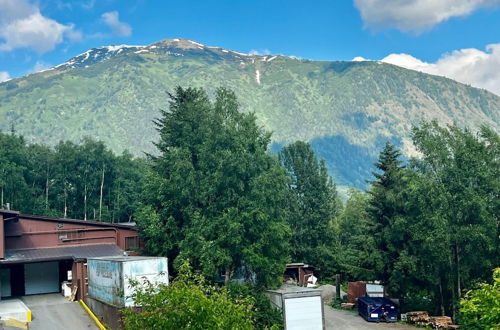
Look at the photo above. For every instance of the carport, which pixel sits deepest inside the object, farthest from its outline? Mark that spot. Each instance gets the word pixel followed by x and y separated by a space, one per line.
pixel 38 253
pixel 38 271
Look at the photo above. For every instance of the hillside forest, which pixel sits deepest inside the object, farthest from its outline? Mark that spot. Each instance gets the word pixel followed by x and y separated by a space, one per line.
pixel 214 195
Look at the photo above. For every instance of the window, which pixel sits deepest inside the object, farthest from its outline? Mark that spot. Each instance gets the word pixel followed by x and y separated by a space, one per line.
pixel 131 243
pixel 71 235
pixel 75 234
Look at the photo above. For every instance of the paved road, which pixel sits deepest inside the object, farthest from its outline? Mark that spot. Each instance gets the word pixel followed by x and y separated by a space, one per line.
pixel 54 312
pixel 345 320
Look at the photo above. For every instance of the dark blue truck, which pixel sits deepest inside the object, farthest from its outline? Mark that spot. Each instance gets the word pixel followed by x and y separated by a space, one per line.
pixel 377 309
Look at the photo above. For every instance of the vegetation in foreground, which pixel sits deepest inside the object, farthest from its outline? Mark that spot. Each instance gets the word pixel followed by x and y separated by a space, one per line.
pixel 480 308
pixel 187 303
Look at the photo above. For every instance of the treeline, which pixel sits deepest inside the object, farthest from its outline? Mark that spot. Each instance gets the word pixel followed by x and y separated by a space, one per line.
pixel 81 181
pixel 429 228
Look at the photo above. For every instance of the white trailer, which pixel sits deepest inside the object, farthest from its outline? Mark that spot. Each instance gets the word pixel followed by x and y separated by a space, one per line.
pixel 110 277
pixel 302 308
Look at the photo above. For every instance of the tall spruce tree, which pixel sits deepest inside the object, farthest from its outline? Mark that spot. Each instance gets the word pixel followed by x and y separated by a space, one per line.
pixel 314 204
pixel 214 195
pixel 386 206
pixel 358 252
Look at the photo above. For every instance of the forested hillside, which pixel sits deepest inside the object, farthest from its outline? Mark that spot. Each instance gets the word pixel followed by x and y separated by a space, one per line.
pixel 346 110
pixel 81 181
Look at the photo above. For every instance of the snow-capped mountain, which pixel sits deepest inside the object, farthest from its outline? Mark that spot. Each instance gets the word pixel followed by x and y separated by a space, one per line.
pixel 96 55
pixel 345 109
pixel 174 47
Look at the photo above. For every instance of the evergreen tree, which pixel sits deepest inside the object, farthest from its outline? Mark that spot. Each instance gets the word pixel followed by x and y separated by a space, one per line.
pixel 358 252
pixel 214 195
pixel 386 206
pixel 314 204
pixel 14 189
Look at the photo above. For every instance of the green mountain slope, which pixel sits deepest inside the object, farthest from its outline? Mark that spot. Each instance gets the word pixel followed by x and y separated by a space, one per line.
pixel 345 109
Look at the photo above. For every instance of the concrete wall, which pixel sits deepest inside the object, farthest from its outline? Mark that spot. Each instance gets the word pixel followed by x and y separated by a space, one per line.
pixel 107 314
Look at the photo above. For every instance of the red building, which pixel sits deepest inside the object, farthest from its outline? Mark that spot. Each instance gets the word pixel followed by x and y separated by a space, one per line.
pixel 38 253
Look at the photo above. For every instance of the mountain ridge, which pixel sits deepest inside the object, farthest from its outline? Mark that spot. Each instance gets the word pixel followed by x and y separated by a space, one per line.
pixel 345 109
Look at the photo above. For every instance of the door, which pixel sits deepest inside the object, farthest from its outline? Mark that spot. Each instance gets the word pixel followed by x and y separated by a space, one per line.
pixel 5 283
pixel 304 313
pixel 41 277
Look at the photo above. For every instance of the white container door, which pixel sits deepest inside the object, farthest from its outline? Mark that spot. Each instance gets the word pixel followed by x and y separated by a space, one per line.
pixel 5 282
pixel 42 277
pixel 303 313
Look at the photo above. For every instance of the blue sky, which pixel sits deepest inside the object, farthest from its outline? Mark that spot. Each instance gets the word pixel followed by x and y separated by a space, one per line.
pixel 459 39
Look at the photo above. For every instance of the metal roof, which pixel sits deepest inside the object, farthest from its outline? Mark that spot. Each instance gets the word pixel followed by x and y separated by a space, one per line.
pixel 125 258
pixel 298 265
pixel 61 253
pixel 285 288
pixel 88 222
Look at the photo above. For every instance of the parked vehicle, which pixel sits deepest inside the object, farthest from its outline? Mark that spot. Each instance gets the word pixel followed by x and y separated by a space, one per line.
pixel 377 309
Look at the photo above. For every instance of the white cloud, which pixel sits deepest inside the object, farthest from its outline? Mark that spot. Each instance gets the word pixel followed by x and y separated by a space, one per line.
pixel 470 66
pixel 88 4
pixel 23 26
pixel 41 66
pixel 359 59
pixel 4 76
pixel 74 35
pixel 260 52
pixel 415 15
pixel 112 20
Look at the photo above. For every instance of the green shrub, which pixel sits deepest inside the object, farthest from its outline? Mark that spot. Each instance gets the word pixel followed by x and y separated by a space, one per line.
pixel 480 309
pixel 188 303
pixel 265 316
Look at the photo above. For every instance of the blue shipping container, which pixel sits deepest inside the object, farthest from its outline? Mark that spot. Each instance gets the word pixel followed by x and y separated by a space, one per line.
pixel 377 309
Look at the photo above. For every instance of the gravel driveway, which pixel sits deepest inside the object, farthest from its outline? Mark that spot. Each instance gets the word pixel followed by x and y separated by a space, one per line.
pixel 345 320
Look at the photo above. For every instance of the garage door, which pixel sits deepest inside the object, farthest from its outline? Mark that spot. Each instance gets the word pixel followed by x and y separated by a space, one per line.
pixel 42 277
pixel 304 313
pixel 5 283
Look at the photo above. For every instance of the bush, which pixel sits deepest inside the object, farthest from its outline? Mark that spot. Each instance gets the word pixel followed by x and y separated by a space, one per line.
pixel 265 316
pixel 480 309
pixel 188 303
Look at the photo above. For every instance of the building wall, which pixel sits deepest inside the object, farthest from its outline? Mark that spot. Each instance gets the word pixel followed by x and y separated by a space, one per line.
pixel 2 239
pixel 80 279
pixel 34 233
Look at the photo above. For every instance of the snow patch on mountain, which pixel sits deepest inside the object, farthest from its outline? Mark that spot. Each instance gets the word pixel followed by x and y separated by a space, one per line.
pixel 176 47
pixel 96 55
pixel 196 43
pixel 257 76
